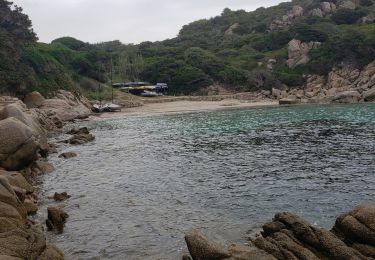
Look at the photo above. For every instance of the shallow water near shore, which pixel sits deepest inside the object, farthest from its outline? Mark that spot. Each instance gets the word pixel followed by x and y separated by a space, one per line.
pixel 144 181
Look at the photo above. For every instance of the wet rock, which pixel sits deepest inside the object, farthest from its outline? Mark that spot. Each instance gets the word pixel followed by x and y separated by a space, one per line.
pixel 67 155
pixel 61 196
pixel 80 136
pixel 81 131
pixel 31 206
pixel 34 100
pixel 42 166
pixel 56 219
pixel 18 144
pixel 201 248
pixel 81 139
pixel 52 148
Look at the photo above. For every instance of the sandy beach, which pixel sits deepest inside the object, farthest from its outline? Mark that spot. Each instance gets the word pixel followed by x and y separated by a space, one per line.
pixel 185 106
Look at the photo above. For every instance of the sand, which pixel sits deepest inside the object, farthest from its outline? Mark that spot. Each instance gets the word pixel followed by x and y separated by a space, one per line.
pixel 184 107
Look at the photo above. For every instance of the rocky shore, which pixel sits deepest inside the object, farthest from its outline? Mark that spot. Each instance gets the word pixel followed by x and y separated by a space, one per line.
pixel 24 150
pixel 288 236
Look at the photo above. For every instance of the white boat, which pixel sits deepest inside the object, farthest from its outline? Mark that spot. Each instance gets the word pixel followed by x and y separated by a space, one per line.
pixel 147 93
pixel 106 108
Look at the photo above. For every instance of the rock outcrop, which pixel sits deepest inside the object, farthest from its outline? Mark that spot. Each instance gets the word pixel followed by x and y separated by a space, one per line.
pixel 66 107
pixel 201 248
pixel 357 229
pixel 23 147
pixel 34 100
pixel 298 52
pixel 288 236
pixel 344 84
pixel 18 239
pixel 18 144
pixel 286 20
pixel 230 30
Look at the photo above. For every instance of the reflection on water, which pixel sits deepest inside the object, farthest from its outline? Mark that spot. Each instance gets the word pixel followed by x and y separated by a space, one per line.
pixel 147 180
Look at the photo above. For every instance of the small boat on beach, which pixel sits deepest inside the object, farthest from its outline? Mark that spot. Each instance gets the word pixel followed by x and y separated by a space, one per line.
pixel 110 107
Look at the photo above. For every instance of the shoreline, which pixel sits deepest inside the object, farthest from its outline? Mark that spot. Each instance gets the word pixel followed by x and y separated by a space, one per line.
pixel 176 107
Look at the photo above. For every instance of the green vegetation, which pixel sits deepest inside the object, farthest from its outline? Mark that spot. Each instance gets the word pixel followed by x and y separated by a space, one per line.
pixel 231 50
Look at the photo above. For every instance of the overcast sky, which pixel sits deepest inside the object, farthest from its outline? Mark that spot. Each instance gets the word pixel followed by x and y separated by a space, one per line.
pixel 130 21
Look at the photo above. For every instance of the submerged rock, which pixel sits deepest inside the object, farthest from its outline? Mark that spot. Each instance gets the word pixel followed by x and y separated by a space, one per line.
pixel 80 136
pixel 82 130
pixel 67 155
pixel 61 196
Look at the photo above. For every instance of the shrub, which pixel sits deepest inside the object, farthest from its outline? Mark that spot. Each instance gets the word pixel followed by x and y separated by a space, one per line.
pixel 347 16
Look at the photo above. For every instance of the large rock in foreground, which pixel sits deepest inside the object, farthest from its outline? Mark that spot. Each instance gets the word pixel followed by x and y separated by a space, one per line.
pixel 201 248
pixel 288 236
pixel 18 144
pixel 18 240
pixel 357 229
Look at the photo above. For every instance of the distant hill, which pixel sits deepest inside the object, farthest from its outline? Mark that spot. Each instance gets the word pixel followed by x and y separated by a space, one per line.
pixel 237 51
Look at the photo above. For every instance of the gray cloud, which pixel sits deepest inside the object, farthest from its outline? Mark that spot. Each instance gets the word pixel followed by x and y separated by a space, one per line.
pixel 127 20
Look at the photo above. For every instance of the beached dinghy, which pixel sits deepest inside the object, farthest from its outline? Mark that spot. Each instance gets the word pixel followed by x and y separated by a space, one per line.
pixel 106 108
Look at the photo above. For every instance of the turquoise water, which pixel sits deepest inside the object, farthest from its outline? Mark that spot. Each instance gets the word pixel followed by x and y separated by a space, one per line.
pixel 147 180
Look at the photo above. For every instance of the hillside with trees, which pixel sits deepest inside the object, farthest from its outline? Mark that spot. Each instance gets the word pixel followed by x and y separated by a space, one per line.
pixel 237 50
